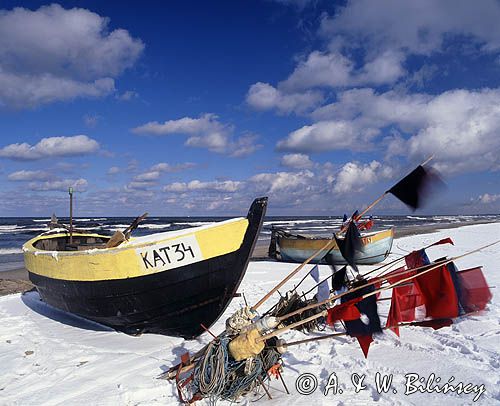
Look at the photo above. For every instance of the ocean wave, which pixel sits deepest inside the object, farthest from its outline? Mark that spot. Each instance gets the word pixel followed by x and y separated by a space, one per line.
pixel 196 223
pixel 13 250
pixel 41 220
pixel 415 218
pixel 155 226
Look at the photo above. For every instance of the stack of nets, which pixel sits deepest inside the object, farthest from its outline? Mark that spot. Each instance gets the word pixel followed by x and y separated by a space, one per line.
pixel 217 376
pixel 292 302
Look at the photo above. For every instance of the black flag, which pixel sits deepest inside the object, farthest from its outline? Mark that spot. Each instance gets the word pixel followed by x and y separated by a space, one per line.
pixel 416 186
pixel 350 244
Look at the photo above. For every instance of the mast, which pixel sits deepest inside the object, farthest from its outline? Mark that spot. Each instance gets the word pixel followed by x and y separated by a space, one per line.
pixel 70 215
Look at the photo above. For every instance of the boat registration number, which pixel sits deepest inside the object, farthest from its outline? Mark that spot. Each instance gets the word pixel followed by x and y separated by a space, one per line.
pixel 170 254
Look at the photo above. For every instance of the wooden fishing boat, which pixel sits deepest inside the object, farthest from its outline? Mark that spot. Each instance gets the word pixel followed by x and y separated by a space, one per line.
pixel 167 283
pixel 289 247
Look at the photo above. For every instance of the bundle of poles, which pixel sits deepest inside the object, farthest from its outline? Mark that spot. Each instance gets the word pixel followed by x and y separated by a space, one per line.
pixel 382 282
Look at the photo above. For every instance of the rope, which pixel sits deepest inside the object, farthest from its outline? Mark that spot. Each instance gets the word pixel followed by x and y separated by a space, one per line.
pixel 217 376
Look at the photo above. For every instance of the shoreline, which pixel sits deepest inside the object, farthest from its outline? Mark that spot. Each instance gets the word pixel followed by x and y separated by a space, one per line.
pixel 17 281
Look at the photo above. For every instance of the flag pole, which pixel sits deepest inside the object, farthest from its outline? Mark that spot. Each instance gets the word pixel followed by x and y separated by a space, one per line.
pixel 327 246
pixel 376 291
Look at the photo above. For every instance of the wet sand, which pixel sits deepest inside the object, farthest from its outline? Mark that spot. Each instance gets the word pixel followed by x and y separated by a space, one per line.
pixel 16 280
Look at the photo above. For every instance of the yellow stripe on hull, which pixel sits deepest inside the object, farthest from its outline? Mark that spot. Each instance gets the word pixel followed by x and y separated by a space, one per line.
pixel 318 243
pixel 138 257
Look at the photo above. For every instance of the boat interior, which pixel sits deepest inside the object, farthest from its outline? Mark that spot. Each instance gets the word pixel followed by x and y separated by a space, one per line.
pixel 80 243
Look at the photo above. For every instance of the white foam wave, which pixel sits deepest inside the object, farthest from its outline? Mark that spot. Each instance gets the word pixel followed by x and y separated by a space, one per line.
pixel 41 220
pixel 155 226
pixel 7 251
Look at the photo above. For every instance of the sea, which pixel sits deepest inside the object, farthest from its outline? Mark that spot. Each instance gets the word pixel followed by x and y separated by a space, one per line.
pixel 15 231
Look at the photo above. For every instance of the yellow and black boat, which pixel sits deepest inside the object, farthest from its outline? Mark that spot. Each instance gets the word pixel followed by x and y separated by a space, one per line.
pixel 167 283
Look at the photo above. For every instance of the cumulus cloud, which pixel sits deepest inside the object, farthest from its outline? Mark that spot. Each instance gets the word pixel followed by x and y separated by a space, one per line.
pixel 488 198
pixel 51 147
pixel 263 96
pixel 197 185
pixel 418 27
pixel 297 161
pixel 155 171
pixel 460 127
pixel 206 132
pixel 81 58
pixel 354 176
pixel 328 135
pixel 282 181
pixel 24 175
pixel 79 185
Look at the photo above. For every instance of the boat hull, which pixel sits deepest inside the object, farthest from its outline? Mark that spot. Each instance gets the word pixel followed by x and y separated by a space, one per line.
pixel 172 302
pixel 375 248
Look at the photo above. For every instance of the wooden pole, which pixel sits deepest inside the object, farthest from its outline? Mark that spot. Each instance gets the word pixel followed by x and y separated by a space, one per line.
pixel 323 313
pixel 70 215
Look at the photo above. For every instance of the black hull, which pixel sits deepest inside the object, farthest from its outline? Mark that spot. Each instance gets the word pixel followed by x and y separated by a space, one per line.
pixel 174 302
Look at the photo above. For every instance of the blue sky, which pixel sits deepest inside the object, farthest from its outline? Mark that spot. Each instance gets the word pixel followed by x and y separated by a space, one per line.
pixel 195 108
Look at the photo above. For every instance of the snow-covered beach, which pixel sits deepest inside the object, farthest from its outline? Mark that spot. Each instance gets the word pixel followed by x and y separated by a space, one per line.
pixel 50 357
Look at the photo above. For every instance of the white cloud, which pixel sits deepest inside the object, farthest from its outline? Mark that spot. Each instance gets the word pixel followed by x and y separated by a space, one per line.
pixel 205 131
pixel 354 176
pixel 25 175
pixel 79 185
pixel 196 185
pixel 459 127
pixel 297 161
pixel 418 27
pixel 263 96
pixel 54 54
pixel 166 167
pixel 282 181
pixel 51 147
pixel 114 170
pixel 147 176
pixel 127 95
pixel 487 198
pixel 327 136
pixel 139 185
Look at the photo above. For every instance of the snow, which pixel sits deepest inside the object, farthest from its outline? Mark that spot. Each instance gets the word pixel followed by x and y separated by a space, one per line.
pixel 54 358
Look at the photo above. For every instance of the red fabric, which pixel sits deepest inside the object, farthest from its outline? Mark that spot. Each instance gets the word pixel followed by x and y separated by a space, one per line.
pixel 346 311
pixel 438 293
pixel 405 298
pixel 366 225
pixel 415 259
pixel 474 291
pixel 364 343
pixel 397 275
pixel 435 324
pixel 443 241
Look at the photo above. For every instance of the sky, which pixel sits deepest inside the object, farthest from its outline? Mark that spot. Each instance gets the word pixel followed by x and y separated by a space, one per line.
pixel 189 108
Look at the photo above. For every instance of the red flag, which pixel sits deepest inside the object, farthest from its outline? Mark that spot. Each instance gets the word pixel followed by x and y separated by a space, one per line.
pixel 416 259
pixel 364 342
pixel 443 241
pixel 438 292
pixel 405 298
pixel 346 311
pixel 474 291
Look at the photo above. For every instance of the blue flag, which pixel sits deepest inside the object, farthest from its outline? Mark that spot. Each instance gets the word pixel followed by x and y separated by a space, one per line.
pixel 323 288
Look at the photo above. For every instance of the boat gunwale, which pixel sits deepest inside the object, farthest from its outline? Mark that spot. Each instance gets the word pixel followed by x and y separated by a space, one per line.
pixel 29 248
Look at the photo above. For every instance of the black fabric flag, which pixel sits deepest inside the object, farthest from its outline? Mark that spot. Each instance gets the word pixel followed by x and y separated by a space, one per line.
pixel 367 306
pixel 416 186
pixel 350 244
pixel 338 279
